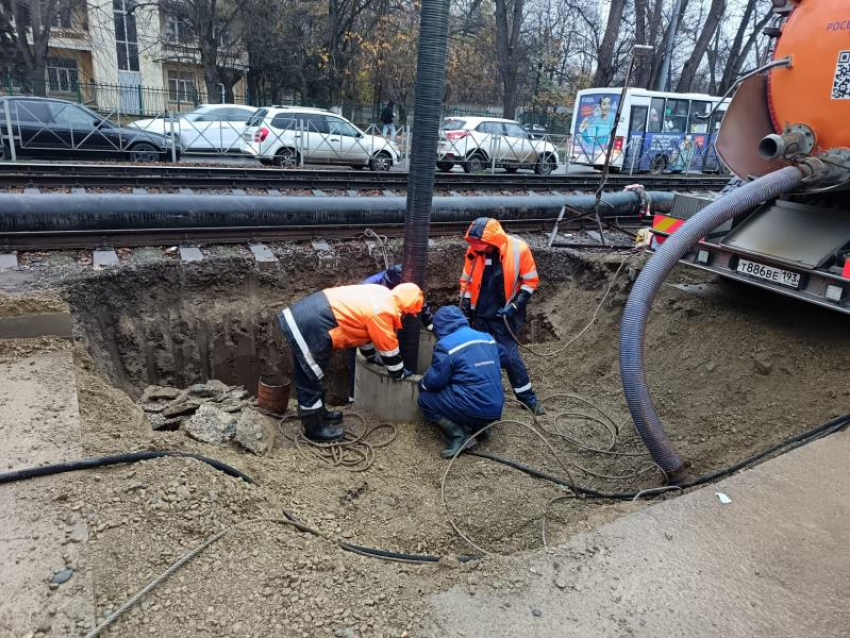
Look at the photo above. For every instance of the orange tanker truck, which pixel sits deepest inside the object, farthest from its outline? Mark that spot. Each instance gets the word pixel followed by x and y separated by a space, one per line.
pixel 793 112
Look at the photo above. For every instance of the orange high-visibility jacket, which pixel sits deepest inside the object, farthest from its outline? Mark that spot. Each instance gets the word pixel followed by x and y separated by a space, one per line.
pixel 370 313
pixel 518 267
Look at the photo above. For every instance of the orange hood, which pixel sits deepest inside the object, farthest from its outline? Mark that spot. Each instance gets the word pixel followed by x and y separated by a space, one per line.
pixel 408 298
pixel 489 231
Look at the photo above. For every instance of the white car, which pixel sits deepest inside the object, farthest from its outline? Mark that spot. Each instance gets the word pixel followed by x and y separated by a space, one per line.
pixel 216 128
pixel 284 136
pixel 476 143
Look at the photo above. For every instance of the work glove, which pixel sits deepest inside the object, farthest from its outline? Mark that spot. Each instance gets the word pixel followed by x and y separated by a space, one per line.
pixel 406 373
pixel 508 311
pixel 427 318
pixel 466 307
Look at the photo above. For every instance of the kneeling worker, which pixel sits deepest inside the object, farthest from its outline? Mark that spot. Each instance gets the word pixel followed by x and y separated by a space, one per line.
pixel 335 319
pixel 462 390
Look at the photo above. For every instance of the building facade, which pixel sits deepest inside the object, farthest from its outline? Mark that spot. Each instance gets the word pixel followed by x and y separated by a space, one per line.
pixel 135 60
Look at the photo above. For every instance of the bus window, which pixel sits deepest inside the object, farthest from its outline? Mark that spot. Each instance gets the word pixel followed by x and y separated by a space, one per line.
pixel 699 117
pixel 656 110
pixel 676 116
pixel 716 119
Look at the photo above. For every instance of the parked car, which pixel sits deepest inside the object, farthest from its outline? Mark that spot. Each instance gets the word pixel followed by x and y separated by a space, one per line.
pixel 478 142
pixel 215 128
pixel 46 127
pixel 282 135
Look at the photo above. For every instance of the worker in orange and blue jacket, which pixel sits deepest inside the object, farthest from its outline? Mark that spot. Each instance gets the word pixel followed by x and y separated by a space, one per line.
pixel 365 316
pixel 499 277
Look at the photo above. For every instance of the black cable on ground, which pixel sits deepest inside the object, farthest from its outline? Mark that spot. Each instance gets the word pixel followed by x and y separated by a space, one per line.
pixel 116 459
pixel 371 551
pixel 825 429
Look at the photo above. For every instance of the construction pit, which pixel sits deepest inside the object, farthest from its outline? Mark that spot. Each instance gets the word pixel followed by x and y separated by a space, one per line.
pixel 733 370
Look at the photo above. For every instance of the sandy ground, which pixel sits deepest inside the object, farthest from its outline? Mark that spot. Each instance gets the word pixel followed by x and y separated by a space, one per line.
pixel 732 371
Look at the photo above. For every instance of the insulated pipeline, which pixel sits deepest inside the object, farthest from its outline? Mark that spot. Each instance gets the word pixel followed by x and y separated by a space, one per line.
pixel 633 326
pixel 427 113
pixel 86 212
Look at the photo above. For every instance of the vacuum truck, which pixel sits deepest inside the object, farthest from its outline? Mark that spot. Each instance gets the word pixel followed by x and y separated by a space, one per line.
pixel 793 111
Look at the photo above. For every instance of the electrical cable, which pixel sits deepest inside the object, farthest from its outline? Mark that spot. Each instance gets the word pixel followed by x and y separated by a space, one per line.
pixel 288 520
pixel 825 429
pixel 353 452
pixel 116 459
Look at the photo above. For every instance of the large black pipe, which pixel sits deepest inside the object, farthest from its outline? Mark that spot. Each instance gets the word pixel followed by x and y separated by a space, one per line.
pixel 54 213
pixel 427 113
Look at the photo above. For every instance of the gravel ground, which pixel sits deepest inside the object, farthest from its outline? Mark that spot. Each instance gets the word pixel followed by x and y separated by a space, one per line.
pixel 732 371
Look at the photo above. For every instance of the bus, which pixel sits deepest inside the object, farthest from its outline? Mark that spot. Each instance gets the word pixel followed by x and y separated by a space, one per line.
pixel 658 131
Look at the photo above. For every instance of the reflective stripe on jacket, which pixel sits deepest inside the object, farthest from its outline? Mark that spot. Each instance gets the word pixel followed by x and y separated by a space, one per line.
pixel 518 267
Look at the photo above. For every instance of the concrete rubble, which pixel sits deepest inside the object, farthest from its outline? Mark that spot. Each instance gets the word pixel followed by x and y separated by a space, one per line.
pixel 211 412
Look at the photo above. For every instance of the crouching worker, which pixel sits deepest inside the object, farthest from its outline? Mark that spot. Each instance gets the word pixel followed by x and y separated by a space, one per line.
pixel 462 390
pixel 335 319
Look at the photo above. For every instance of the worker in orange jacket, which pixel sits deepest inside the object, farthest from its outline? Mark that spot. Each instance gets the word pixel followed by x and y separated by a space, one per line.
pixel 499 277
pixel 364 316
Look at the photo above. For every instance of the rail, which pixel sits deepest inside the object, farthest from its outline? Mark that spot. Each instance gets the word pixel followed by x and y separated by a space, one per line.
pixel 25 175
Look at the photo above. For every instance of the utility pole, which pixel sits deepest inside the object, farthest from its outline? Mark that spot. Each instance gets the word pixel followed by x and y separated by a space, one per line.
pixel 667 51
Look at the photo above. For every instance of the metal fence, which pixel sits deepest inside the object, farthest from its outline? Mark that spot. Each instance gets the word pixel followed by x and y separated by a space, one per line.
pixel 34 128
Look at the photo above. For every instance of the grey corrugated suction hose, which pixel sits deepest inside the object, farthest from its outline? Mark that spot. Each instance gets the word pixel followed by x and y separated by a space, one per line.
pixel 428 107
pixel 633 326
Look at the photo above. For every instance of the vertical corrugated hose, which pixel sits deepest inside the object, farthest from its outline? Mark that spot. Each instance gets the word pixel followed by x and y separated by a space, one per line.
pixel 633 326
pixel 427 112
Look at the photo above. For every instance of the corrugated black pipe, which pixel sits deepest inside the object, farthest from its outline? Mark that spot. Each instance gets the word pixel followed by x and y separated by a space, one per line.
pixel 427 113
pixel 29 213
pixel 633 326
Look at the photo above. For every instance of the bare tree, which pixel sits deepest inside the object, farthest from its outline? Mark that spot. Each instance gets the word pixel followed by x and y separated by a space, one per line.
pixel 710 26
pixel 742 44
pixel 25 27
pixel 214 31
pixel 509 18
pixel 605 63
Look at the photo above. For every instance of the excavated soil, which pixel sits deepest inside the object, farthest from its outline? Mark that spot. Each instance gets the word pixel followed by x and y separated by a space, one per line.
pixel 732 370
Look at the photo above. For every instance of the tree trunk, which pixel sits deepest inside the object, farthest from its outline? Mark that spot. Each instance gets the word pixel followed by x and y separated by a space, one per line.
pixel 733 67
pixel 737 43
pixel 712 22
pixel 655 32
pixel 508 25
pixel 605 70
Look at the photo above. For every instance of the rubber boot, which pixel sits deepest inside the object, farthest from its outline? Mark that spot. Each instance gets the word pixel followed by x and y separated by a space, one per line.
pixel 536 408
pixel 316 429
pixel 454 435
pixel 330 416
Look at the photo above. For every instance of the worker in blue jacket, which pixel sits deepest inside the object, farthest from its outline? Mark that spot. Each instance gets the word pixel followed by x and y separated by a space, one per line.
pixel 389 278
pixel 462 390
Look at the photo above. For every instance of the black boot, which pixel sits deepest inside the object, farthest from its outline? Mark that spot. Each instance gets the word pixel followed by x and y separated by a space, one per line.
pixel 330 416
pixel 317 430
pixel 536 407
pixel 454 435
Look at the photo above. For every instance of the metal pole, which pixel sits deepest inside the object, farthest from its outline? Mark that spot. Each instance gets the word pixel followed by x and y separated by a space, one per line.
pixel 639 49
pixel 9 131
pixel 662 82
pixel 173 141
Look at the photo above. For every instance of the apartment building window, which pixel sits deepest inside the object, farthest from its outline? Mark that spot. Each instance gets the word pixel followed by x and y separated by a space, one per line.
pixel 62 19
pixel 62 75
pixel 126 45
pixel 178 30
pixel 182 86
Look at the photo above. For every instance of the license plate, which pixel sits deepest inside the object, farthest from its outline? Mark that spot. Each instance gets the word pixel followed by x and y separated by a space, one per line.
pixel 769 273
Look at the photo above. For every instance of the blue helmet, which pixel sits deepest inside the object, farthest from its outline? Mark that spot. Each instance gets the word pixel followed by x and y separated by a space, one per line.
pixel 392 276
